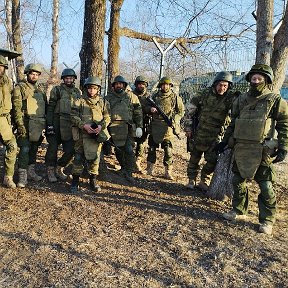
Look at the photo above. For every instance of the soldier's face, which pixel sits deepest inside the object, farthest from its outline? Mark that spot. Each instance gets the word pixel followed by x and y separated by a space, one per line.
pixel 118 87
pixel 33 76
pixel 69 80
pixel 93 90
pixel 141 86
pixel 2 70
pixel 165 87
pixel 222 87
pixel 257 79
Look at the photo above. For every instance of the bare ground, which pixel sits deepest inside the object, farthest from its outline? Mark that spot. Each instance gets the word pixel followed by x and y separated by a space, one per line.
pixel 153 234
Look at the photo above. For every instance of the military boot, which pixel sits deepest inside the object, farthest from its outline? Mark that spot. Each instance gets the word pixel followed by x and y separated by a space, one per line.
pixel 168 173
pixel 31 174
pixel 149 169
pixel 22 174
pixel 60 173
pixel 51 174
pixel 138 166
pixel 191 184
pixel 74 184
pixel 93 183
pixel 203 186
pixel 8 182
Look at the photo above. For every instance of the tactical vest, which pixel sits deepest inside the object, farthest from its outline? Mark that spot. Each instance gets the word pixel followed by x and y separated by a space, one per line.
pixel 65 96
pixel 252 128
pixel 5 108
pixel 159 128
pixel 33 107
pixel 121 117
pixel 213 118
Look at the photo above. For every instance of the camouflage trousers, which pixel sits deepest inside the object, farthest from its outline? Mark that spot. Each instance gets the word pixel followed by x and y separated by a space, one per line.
pixel 208 168
pixel 265 177
pixel 166 145
pixel 51 154
pixel 10 155
pixel 139 150
pixel 28 151
pixel 125 156
pixel 80 160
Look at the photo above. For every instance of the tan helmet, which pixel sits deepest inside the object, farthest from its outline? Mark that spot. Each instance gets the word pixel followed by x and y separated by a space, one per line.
pixel 261 69
pixel 3 62
pixel 33 67
pixel 164 80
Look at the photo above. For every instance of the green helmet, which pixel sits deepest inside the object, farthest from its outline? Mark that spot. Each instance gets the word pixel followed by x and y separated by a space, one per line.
pixel 68 72
pixel 92 80
pixel 261 69
pixel 33 67
pixel 121 79
pixel 3 62
pixel 223 76
pixel 164 80
pixel 140 79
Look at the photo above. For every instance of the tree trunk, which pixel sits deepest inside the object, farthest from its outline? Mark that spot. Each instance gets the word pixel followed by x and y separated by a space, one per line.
pixel 264 32
pixel 16 33
pixel 280 53
pixel 92 50
pixel 54 46
pixel 113 40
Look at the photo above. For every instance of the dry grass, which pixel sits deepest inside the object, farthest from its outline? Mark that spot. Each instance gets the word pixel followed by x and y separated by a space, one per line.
pixel 156 234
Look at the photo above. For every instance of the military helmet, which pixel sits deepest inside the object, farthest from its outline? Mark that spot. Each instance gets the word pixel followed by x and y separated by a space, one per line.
pixel 33 67
pixel 3 62
pixel 121 79
pixel 68 72
pixel 261 69
pixel 223 76
pixel 140 79
pixel 164 80
pixel 92 80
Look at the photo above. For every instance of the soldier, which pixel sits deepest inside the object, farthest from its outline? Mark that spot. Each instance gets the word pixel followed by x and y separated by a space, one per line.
pixel 59 126
pixel 212 105
pixel 126 122
pixel 255 117
pixel 6 135
pixel 161 133
pixel 90 118
pixel 29 103
pixel 141 92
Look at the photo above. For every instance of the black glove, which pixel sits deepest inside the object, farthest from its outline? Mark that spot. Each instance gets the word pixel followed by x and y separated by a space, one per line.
pixel 219 148
pixel 50 130
pixel 280 155
pixel 21 130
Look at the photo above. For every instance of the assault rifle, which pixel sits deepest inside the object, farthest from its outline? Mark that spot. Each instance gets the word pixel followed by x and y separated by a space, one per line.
pixel 195 122
pixel 164 116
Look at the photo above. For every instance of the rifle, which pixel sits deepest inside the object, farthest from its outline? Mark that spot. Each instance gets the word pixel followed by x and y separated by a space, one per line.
pixel 195 122
pixel 164 116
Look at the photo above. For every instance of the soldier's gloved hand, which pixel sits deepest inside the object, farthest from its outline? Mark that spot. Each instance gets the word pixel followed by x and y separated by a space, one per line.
pixel 50 130
pixel 280 155
pixel 139 132
pixel 21 130
pixel 220 147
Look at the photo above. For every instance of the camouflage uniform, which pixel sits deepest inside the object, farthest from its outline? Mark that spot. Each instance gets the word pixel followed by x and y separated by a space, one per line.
pixel 126 115
pixel 59 117
pixel 142 95
pixel 87 147
pixel 6 134
pixel 213 111
pixel 29 103
pixel 262 112
pixel 161 133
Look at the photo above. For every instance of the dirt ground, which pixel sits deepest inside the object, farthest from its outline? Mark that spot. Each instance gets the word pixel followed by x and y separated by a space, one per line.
pixel 153 234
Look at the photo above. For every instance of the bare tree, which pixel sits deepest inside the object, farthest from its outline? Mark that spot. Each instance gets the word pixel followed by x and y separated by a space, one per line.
pixel 16 35
pixel 92 50
pixel 54 46
pixel 113 40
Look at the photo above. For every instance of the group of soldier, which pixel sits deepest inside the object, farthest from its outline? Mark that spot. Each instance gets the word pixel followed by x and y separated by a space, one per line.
pixel 216 118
